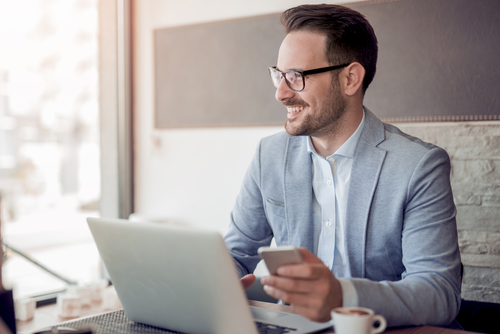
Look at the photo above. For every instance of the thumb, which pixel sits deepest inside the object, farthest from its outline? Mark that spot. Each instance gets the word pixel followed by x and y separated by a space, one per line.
pixel 247 281
pixel 309 257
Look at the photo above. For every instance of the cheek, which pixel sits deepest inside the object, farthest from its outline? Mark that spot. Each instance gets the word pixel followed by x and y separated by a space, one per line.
pixel 316 95
pixel 309 99
pixel 314 102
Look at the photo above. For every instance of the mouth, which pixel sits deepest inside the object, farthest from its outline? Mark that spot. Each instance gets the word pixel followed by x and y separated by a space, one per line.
pixel 294 111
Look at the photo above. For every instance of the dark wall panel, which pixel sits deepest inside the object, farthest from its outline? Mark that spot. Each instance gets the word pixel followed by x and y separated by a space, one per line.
pixel 216 74
pixel 438 61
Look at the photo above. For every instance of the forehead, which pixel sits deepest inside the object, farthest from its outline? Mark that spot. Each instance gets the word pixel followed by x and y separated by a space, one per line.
pixel 302 50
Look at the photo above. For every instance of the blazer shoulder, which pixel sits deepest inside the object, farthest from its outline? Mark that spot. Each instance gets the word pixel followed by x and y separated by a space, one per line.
pixel 391 139
pixel 395 139
pixel 275 142
pixel 276 138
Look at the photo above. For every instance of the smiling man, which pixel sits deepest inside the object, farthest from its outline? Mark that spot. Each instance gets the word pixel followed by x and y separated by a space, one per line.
pixel 371 207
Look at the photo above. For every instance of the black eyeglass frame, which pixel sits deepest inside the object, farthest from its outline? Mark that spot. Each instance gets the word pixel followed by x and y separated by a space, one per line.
pixel 303 74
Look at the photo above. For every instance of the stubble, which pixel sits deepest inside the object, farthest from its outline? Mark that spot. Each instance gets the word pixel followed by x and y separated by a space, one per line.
pixel 325 124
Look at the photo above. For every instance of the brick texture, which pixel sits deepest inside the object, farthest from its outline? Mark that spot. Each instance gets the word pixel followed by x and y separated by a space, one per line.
pixel 481 284
pixel 474 149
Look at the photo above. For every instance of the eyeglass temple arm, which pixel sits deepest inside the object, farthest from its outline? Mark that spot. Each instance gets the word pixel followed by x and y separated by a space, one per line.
pixel 324 69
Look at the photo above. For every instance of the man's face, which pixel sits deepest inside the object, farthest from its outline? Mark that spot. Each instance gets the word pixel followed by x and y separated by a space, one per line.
pixel 315 110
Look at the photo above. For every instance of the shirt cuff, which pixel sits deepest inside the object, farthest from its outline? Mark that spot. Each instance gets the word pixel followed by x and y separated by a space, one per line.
pixel 349 293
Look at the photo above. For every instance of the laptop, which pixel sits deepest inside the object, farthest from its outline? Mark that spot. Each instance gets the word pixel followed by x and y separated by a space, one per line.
pixel 182 279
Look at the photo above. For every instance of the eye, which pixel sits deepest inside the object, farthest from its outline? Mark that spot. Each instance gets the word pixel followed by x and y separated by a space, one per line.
pixel 293 76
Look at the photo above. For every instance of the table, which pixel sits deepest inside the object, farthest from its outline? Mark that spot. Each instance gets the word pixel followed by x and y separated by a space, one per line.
pixel 405 330
pixel 46 311
pixel 46 316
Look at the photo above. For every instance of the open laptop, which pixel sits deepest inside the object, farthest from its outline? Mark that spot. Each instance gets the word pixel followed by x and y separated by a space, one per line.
pixel 182 279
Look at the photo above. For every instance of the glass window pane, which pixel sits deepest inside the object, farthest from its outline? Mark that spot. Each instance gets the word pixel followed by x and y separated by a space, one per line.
pixel 49 140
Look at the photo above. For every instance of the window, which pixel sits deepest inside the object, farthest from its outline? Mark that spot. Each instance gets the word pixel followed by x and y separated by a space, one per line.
pixel 49 141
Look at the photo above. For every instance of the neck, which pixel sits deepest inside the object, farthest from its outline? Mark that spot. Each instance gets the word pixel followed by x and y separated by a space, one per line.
pixel 329 143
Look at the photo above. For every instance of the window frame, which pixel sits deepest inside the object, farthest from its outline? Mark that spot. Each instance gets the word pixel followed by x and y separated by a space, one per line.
pixel 115 105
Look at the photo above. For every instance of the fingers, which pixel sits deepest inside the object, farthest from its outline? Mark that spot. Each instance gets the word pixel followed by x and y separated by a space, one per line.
pixel 311 268
pixel 288 296
pixel 297 285
pixel 291 290
pixel 247 281
pixel 304 270
pixel 309 257
pixel 291 296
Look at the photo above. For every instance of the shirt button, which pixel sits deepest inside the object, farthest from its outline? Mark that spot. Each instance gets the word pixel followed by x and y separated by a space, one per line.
pixel 327 264
pixel 328 182
pixel 331 159
pixel 328 223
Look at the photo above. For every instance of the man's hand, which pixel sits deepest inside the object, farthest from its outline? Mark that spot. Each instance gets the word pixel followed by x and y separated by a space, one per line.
pixel 310 287
pixel 247 281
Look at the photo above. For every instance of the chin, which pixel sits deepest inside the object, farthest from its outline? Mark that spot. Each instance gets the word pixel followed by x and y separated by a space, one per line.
pixel 293 130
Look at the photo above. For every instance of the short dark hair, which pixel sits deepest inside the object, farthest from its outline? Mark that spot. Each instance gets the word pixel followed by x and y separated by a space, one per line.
pixel 350 37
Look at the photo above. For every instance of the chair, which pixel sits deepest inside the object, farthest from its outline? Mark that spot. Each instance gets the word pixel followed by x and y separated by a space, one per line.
pixel 479 317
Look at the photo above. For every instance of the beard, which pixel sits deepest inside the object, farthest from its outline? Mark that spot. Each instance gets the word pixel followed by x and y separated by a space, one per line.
pixel 326 122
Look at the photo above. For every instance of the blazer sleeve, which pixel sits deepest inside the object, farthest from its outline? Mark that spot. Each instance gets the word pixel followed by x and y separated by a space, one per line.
pixel 249 228
pixel 429 290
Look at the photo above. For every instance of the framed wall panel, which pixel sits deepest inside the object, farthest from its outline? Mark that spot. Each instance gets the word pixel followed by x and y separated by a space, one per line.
pixel 216 74
pixel 437 62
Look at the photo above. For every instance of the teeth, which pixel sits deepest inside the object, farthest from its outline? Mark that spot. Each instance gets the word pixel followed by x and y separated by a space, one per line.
pixel 294 109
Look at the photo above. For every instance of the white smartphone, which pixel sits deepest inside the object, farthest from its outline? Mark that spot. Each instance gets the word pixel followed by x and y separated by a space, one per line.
pixel 274 257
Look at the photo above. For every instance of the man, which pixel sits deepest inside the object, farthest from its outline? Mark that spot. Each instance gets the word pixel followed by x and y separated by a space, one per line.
pixel 372 207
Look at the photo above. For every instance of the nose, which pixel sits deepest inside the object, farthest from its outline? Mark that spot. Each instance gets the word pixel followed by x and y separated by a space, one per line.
pixel 283 92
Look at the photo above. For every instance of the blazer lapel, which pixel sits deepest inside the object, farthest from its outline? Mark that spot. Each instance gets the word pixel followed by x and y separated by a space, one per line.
pixel 298 193
pixel 368 161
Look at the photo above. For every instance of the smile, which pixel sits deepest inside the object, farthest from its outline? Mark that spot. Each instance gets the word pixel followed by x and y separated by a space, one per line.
pixel 294 110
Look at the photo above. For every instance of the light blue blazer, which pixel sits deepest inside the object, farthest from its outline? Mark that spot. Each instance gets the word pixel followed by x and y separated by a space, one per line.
pixel 401 234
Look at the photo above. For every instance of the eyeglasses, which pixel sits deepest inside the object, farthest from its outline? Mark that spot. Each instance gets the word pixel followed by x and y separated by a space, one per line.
pixel 294 79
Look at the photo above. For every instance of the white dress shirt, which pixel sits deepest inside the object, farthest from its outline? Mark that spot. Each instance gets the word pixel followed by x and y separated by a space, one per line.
pixel 330 180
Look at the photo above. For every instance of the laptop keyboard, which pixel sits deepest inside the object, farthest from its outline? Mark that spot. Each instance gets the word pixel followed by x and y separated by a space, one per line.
pixel 264 328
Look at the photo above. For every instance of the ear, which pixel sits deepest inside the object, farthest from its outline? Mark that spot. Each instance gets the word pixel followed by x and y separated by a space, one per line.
pixel 353 76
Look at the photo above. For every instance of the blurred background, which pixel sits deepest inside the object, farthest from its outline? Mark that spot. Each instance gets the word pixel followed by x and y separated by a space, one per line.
pixel 49 140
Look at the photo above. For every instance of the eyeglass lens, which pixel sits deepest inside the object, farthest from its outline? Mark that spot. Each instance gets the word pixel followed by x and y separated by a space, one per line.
pixel 293 79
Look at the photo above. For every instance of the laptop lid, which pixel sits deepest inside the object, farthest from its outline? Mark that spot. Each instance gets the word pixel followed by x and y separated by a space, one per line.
pixel 173 277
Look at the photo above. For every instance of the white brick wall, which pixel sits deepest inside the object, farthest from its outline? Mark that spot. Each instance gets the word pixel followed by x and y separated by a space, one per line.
pixel 474 149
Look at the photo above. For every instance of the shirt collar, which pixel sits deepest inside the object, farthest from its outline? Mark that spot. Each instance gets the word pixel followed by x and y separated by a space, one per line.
pixel 349 147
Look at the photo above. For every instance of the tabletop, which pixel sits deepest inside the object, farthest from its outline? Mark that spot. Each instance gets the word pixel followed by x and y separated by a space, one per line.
pixel 49 316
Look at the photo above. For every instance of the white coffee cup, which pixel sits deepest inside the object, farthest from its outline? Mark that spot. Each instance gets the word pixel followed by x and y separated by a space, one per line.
pixel 357 320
